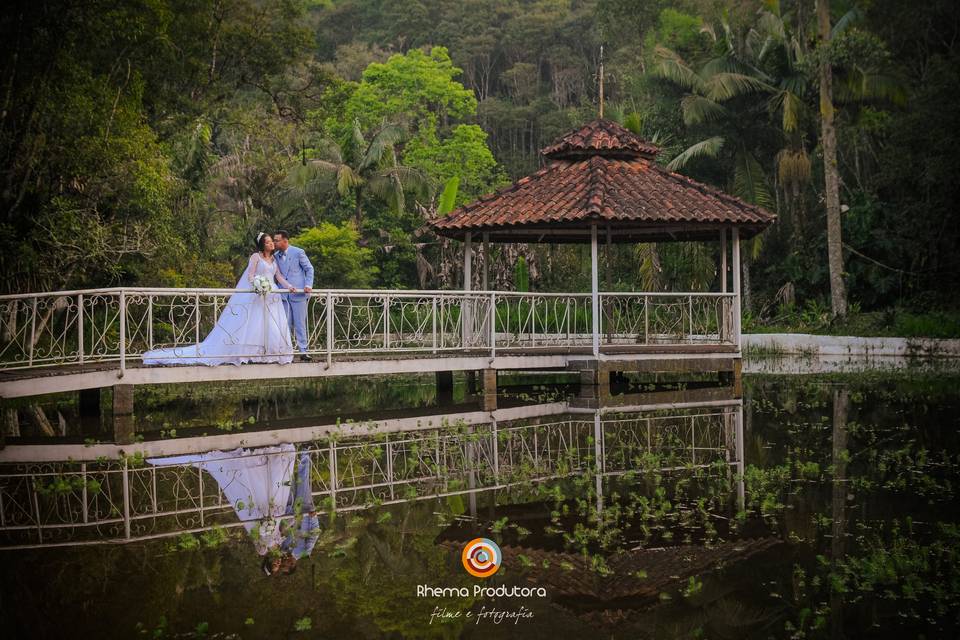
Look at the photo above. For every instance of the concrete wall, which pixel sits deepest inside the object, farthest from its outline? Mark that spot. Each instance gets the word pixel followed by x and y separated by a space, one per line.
pixel 816 345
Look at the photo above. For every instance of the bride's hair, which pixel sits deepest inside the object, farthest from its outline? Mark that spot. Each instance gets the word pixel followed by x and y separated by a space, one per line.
pixel 261 241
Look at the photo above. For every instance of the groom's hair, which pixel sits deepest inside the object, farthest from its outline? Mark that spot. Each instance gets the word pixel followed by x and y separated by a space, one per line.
pixel 283 234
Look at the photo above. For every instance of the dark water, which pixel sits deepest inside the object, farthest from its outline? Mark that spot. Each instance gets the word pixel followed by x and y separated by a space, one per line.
pixel 184 410
pixel 847 527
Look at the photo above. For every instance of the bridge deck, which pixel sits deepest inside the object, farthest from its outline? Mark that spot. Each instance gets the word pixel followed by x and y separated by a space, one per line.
pixel 75 377
pixel 72 340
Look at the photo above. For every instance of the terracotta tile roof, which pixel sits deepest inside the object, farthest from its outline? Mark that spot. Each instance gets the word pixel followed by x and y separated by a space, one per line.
pixel 627 192
pixel 601 137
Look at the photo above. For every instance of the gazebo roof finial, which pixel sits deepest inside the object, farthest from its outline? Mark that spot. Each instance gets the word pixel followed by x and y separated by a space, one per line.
pixel 601 137
pixel 601 81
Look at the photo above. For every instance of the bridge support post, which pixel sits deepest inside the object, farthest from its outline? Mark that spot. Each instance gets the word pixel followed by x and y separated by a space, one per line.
pixel 489 389
pixel 123 427
pixel 734 377
pixel 594 385
pixel 444 387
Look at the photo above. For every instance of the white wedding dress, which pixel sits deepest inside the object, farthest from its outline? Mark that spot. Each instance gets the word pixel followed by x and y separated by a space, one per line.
pixel 256 483
pixel 251 328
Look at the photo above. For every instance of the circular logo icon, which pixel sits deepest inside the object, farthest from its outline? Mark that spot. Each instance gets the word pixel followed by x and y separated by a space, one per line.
pixel 481 557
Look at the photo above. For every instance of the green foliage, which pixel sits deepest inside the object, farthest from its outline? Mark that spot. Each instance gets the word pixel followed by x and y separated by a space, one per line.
pixel 195 273
pixel 521 275
pixel 146 143
pixel 100 98
pixel 814 317
pixel 303 624
pixel 338 260
pixel 448 197
pixel 678 31
pixel 418 86
pixel 464 154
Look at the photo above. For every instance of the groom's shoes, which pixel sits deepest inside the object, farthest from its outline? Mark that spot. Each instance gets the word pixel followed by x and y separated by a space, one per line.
pixel 304 358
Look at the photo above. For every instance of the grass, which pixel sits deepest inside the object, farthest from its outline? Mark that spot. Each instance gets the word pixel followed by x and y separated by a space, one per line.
pixel 894 322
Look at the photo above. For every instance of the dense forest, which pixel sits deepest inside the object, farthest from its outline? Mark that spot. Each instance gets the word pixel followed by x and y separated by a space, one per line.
pixel 147 141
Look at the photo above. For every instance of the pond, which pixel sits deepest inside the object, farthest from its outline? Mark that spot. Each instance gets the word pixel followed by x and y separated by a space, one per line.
pixel 819 506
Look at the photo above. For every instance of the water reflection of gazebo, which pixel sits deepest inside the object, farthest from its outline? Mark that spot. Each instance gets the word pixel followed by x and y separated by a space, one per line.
pixel 602 185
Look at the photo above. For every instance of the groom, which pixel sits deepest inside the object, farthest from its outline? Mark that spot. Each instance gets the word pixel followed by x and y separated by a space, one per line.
pixel 296 268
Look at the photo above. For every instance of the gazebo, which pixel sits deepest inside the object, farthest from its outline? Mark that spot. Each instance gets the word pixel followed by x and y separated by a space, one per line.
pixel 602 181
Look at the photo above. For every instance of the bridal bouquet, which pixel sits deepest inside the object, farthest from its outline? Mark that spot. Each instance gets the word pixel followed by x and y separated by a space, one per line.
pixel 262 285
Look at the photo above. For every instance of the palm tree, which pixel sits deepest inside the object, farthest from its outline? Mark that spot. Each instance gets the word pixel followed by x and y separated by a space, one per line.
pixel 831 171
pixel 361 168
pixel 755 93
pixel 714 102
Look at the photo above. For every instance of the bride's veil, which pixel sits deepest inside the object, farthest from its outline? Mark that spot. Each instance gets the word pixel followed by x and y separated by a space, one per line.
pixel 245 327
pixel 227 334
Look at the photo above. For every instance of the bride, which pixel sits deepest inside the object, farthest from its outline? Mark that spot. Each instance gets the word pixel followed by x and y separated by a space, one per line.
pixel 257 483
pixel 252 327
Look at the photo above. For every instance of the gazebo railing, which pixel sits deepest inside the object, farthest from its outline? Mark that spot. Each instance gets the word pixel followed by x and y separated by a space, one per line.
pixel 666 318
pixel 119 325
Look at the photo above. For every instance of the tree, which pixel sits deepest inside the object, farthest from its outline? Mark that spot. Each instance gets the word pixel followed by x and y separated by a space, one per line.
pixel 338 260
pixel 831 171
pixel 362 168
pixel 721 101
pixel 464 154
pixel 419 87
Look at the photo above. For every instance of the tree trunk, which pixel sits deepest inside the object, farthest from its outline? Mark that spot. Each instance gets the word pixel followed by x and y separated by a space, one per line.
pixel 838 502
pixel 358 212
pixel 838 292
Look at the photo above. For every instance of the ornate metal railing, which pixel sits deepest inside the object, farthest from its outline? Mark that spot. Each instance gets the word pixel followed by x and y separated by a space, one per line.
pixel 120 325
pixel 91 502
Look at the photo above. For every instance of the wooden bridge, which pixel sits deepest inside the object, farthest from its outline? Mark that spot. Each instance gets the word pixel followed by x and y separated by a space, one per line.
pixel 87 340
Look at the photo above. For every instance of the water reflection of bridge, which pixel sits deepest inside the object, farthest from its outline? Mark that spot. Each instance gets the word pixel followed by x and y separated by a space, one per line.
pixel 91 499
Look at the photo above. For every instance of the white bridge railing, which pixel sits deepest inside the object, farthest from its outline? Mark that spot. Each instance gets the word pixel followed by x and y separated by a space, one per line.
pixel 120 324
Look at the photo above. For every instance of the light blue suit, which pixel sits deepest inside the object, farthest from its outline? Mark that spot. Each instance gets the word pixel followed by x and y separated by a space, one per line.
pixel 305 529
pixel 296 268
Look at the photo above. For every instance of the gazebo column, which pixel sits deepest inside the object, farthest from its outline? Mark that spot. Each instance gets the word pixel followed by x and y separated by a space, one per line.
pixel 489 400
pixel 736 286
pixel 467 261
pixel 726 332
pixel 723 261
pixel 466 315
pixel 486 261
pixel 594 290
pixel 736 376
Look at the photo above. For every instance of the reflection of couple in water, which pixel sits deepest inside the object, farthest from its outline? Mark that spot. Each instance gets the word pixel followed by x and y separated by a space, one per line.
pixel 301 527
pixel 269 489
